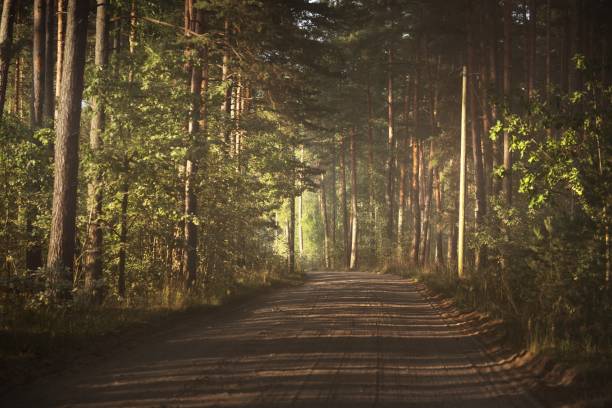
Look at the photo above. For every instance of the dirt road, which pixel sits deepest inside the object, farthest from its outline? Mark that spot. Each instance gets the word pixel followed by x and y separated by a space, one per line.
pixel 340 340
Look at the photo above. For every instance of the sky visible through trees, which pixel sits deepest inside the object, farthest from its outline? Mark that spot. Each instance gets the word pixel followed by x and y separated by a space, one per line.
pixel 164 153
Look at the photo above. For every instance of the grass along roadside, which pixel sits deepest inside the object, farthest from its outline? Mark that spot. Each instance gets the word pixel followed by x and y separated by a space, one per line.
pixel 573 373
pixel 40 341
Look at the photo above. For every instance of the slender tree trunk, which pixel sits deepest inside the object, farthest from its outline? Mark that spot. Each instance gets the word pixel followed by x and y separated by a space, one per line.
pixel 415 193
pixel 334 206
pixel 291 234
pixel 33 246
pixel 462 168
pixel 403 176
pixel 345 218
pixel 300 212
pixel 6 47
pixel 507 181
pixel 38 63
pixel 93 252
pixel 226 106
pixel 439 255
pixel 59 49
pixel 390 152
pixel 531 58
pixel 125 194
pixel 326 229
pixel 427 206
pixel 60 259
pixel 354 218
pixel 50 43
pixel 548 53
pixel 497 160
pixel 480 204
pixel 191 166
pixel 371 203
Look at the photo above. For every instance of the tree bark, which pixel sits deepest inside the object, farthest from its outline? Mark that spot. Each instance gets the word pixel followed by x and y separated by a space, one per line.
pixel 415 178
pixel 226 106
pixel 371 203
pixel 38 63
pixel 291 234
pixel 125 194
pixel 390 193
pixel 345 218
pixel 326 237
pixel 439 254
pixel 93 251
pixel 50 43
pixel 531 58
pixel 6 47
pixel 59 49
pixel 427 206
pixel 507 181
pixel 462 171
pixel 354 217
pixel 60 259
pixel 191 166
pixel 479 184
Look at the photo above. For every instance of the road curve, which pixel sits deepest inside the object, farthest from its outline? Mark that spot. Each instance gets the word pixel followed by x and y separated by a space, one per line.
pixel 340 340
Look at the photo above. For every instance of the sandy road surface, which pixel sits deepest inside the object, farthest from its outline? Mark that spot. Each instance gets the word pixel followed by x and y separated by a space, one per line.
pixel 340 340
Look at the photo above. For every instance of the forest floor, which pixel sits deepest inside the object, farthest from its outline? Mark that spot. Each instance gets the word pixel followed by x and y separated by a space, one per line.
pixel 342 339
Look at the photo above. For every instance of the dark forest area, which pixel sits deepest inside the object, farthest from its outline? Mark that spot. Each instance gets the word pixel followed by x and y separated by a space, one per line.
pixel 165 156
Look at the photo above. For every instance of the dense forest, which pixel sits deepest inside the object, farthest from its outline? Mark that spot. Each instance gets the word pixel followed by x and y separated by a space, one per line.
pixel 170 153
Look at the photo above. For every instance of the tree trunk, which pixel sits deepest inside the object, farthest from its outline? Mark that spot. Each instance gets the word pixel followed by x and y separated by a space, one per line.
pixel 323 204
pixel 462 167
pixel 390 153
pixel 439 255
pixel 50 43
pixel 403 176
pixel 479 185
pixel 60 259
pixel 345 218
pixel 531 58
pixel 427 206
pixel 226 106
pixel 191 166
pixel 38 63
pixel 300 212
pixel 354 218
pixel 415 193
pixel 548 53
pixel 507 181
pixel 334 205
pixel 125 191
pixel 6 47
pixel 291 234
pixel 93 252
pixel 371 203
pixel 59 49
pixel 493 83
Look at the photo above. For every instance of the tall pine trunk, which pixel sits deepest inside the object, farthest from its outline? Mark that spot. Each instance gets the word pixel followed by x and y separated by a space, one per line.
pixel 49 65
pixel 60 258
pixel 354 217
pixel 415 198
pixel 326 229
pixel 479 184
pixel 390 192
pixel 191 166
pixel 345 217
pixel 59 48
pixel 6 47
pixel 93 252
pixel 507 181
